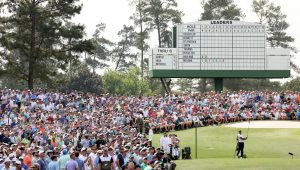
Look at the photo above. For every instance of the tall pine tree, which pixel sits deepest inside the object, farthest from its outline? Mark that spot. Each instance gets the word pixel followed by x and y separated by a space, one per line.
pixel 38 39
pixel 271 15
pixel 161 14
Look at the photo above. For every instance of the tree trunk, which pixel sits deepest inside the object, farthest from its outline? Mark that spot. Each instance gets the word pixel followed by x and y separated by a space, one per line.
pixel 202 83
pixel 159 45
pixel 94 65
pixel 142 41
pixel 32 51
pixel 121 54
pixel 158 32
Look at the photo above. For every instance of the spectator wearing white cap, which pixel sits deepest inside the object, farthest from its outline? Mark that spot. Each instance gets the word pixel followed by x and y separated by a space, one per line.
pixel 7 165
pixel 93 154
pixel 12 163
pixel 12 137
pixel 21 159
pixel 11 157
pixel 83 154
pixel 18 165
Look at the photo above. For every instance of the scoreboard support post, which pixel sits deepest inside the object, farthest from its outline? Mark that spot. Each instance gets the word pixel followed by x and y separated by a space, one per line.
pixel 218 84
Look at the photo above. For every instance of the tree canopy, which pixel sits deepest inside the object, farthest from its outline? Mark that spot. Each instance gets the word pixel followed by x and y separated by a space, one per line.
pixel 39 39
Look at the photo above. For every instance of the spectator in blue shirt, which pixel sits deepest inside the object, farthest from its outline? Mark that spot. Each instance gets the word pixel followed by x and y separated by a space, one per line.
pixel 41 161
pixel 53 165
pixel 79 161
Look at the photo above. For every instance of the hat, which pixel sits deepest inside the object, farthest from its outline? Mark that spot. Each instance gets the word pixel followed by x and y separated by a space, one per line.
pixel 14 159
pixel 41 151
pixel 156 162
pixel 83 149
pixel 131 156
pixel 11 155
pixel 99 151
pixel 143 149
pixel 18 162
pixel 7 160
pixel 49 151
pixel 64 151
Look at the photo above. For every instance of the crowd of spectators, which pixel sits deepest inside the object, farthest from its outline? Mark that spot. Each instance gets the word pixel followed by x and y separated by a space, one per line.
pixel 47 130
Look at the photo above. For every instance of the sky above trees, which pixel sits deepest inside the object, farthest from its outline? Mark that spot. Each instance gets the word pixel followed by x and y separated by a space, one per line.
pixel 116 13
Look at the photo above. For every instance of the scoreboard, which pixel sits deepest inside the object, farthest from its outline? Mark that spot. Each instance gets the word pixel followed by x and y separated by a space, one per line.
pixel 221 45
pixel 219 49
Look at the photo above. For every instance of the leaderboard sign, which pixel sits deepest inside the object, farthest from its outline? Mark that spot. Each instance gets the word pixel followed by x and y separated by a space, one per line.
pixel 219 49
pixel 221 45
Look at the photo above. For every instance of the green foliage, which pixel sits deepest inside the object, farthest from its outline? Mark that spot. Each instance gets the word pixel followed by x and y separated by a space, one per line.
pixel 125 83
pixel 121 54
pixel 270 15
pixel 221 9
pixel 82 80
pixel 15 83
pixel 140 19
pixel 161 13
pixel 293 85
pixel 38 38
pixel 251 84
pixel 100 55
pixel 185 85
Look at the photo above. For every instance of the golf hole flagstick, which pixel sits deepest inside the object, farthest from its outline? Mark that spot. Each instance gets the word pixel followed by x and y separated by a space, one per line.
pixel 248 127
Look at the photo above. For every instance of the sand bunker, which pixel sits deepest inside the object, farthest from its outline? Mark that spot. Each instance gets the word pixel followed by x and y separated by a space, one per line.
pixel 266 124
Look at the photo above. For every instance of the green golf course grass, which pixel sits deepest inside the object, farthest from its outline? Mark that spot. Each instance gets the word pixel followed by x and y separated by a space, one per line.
pixel 265 148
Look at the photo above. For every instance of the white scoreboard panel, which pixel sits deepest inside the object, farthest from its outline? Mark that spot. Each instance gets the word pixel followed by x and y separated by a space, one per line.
pixel 163 59
pixel 221 45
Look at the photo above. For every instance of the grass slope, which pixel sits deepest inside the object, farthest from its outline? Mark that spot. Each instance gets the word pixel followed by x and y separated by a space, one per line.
pixel 265 148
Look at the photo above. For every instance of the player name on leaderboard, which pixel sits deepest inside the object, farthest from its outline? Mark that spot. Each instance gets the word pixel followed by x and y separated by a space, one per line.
pixel 221 45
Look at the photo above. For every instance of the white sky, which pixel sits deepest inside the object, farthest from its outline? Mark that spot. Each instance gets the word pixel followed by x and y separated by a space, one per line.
pixel 116 13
